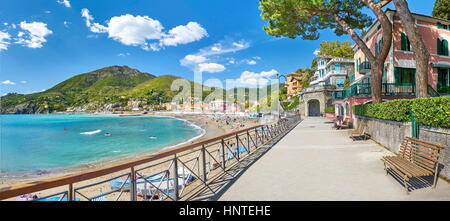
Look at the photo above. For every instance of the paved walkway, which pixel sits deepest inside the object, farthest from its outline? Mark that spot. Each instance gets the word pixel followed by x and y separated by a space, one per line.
pixel 316 162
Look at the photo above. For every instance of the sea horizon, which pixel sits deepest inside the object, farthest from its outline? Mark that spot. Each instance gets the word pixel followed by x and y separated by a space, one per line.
pixel 106 154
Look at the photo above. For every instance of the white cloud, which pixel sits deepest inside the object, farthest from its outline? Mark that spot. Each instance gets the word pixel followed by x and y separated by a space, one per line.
pixel 252 78
pixel 8 82
pixel 184 34
pixel 35 36
pixel 47 12
pixel 95 27
pixel 192 60
pixel 123 54
pixel 134 30
pixel 316 52
pixel 144 31
pixel 64 2
pixel 3 40
pixel 23 82
pixel 66 24
pixel 5 23
pixel 224 47
pixel 211 67
pixel 251 62
pixel 231 61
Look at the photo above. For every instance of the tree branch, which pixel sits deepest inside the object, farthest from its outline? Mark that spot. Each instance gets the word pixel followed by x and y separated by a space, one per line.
pixel 361 44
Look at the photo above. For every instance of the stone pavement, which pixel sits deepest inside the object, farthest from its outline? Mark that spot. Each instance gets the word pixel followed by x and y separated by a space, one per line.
pixel 316 162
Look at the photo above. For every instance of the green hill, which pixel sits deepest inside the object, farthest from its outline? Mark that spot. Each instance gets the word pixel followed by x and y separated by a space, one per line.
pixel 103 85
pixel 108 89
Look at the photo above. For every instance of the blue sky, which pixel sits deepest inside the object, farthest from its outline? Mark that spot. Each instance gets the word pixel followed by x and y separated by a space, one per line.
pixel 44 42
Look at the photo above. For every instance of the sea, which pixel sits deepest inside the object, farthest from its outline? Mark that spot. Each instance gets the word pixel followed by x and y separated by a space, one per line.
pixel 31 144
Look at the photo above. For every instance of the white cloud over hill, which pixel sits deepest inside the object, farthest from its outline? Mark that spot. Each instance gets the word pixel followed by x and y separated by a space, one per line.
pixel 144 31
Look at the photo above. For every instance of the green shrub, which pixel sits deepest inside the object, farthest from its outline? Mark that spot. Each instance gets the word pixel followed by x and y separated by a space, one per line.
pixel 329 110
pixel 434 112
pixel 395 110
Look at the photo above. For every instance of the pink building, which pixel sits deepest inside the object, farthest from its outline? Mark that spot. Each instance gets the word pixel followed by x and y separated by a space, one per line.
pixel 400 65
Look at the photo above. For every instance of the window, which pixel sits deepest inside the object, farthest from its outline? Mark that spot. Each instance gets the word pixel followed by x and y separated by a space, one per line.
pixel 406 45
pixel 442 26
pixel 340 83
pixel 443 77
pixel 338 67
pixel 442 47
pixel 404 75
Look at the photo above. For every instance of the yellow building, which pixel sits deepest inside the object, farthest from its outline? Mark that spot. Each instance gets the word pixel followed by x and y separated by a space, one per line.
pixel 294 84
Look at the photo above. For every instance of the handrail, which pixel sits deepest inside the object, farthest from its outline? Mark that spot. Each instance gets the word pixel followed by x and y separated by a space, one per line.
pixel 17 190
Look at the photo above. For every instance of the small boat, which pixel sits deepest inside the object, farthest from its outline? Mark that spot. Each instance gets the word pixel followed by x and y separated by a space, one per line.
pixel 91 132
pixel 152 137
pixel 107 135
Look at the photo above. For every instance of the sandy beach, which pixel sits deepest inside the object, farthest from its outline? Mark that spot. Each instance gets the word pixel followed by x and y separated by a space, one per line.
pixel 213 125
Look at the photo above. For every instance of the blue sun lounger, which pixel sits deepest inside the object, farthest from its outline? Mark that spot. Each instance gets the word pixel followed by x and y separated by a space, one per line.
pixel 117 183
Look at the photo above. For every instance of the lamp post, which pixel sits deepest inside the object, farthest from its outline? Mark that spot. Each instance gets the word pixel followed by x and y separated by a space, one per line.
pixel 279 76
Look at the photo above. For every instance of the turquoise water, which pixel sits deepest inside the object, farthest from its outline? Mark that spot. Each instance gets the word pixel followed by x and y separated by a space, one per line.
pixel 41 142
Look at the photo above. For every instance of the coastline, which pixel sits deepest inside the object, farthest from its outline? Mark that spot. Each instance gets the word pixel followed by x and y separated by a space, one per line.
pixel 210 126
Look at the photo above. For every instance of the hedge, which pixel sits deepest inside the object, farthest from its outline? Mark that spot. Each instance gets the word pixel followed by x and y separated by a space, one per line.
pixel 329 110
pixel 434 112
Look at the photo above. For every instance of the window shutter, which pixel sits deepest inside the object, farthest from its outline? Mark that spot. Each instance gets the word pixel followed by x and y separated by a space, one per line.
pixel 440 78
pixel 403 42
pixel 444 47
pixel 397 75
pixel 439 46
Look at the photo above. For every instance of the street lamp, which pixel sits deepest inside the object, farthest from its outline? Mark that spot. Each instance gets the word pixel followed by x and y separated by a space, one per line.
pixel 279 76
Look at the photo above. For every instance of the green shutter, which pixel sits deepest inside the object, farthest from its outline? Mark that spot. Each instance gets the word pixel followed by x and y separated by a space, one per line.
pixel 439 46
pixel 444 47
pixel 397 75
pixel 440 78
pixel 403 42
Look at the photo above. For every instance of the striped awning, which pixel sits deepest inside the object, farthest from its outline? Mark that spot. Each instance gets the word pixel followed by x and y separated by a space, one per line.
pixel 441 65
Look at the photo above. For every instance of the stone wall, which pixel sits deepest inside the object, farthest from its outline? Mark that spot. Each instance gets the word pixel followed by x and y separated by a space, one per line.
pixel 390 134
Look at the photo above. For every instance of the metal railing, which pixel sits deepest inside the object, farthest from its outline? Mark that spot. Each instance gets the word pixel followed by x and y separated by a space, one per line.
pixel 364 67
pixel 170 175
pixel 387 90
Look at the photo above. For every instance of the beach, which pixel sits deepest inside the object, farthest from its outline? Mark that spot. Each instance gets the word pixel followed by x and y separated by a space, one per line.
pixel 213 125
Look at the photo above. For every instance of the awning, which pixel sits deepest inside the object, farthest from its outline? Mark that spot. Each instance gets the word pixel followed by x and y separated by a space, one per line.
pixel 441 65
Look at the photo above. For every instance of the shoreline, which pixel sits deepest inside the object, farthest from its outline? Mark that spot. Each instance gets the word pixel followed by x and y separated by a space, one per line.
pixel 205 122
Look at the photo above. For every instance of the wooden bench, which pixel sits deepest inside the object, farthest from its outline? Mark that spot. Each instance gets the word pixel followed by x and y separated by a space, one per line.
pixel 416 158
pixel 359 132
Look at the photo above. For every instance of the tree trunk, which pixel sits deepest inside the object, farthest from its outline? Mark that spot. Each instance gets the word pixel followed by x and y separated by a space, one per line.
pixel 378 61
pixel 421 52
pixel 376 80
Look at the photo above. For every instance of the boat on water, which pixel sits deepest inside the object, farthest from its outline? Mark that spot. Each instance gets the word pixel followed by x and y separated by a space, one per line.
pixel 91 132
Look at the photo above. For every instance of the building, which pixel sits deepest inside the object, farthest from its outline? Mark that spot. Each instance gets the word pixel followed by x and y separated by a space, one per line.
pixel 330 75
pixel 398 81
pixel 294 84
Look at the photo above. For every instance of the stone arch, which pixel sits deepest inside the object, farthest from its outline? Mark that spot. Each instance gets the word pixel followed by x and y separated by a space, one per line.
pixel 313 109
pixel 330 103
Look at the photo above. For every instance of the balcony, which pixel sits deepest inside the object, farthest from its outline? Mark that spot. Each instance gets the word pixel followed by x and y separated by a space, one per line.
pixel 364 67
pixel 387 90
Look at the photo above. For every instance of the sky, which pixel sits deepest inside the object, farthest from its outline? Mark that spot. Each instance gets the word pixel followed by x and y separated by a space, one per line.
pixel 44 42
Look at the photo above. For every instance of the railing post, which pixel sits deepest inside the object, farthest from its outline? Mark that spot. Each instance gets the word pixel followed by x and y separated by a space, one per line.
pixel 204 162
pixel 133 190
pixel 223 153
pixel 237 146
pixel 256 137
pixel 70 193
pixel 175 179
pixel 248 142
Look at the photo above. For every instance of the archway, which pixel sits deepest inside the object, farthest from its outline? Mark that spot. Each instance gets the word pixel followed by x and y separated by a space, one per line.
pixel 313 108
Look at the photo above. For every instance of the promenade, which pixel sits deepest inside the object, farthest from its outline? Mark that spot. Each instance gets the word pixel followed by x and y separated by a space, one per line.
pixel 316 162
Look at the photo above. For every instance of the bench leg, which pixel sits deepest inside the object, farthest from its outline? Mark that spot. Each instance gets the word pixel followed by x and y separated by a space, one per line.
pixel 406 186
pixel 435 176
